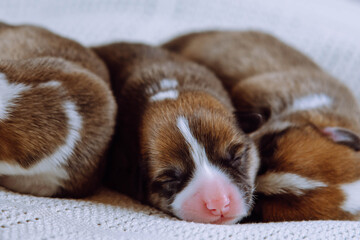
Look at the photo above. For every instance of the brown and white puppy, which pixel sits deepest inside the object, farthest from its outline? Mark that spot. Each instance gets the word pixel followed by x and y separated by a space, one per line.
pixel 309 137
pixel 57 113
pixel 177 144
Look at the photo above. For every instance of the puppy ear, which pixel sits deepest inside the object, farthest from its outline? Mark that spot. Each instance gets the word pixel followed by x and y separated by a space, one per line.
pixel 251 120
pixel 343 136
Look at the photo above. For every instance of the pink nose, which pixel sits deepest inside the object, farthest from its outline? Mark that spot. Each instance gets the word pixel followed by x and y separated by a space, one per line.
pixel 219 206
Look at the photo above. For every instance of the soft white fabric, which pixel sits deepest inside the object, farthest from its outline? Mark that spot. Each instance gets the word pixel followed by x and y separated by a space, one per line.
pixel 109 215
pixel 326 30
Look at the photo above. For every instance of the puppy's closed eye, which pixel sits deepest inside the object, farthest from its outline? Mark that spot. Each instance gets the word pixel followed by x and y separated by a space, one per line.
pixel 235 153
pixel 168 182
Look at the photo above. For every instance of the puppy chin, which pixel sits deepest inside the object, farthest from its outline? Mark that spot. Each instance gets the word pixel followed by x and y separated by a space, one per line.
pixel 219 220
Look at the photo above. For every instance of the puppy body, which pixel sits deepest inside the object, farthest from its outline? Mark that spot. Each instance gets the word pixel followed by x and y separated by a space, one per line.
pixel 308 142
pixel 57 113
pixel 177 144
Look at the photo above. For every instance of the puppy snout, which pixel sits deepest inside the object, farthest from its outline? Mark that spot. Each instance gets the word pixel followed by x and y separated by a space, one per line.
pixel 219 206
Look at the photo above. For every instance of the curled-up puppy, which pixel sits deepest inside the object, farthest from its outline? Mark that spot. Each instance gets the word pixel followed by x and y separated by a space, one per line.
pixel 177 144
pixel 309 124
pixel 57 113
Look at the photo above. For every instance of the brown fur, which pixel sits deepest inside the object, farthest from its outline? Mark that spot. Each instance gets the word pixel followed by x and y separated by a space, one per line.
pixel 37 125
pixel 149 158
pixel 261 72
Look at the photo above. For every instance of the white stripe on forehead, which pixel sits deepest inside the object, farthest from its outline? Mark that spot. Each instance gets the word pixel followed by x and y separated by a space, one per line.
pixel 9 92
pixel 197 151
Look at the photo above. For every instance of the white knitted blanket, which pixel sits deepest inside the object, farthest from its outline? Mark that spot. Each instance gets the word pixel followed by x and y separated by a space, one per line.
pixel 109 215
pixel 326 30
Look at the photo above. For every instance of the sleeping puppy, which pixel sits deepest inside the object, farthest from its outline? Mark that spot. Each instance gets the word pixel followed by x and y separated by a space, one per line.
pixel 177 144
pixel 57 113
pixel 309 124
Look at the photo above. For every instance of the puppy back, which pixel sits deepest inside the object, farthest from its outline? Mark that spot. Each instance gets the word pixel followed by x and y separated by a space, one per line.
pixel 23 41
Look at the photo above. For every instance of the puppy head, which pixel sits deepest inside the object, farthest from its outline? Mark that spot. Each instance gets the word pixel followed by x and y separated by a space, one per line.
pixel 308 173
pixel 201 167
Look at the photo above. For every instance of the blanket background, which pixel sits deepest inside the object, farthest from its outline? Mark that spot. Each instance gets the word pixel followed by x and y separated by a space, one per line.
pixel 326 30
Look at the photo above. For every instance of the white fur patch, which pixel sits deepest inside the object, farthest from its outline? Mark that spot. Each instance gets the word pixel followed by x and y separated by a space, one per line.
pixel 9 92
pixel 45 185
pixel 201 173
pixel 168 84
pixel 64 152
pixel 53 165
pixel 254 165
pixel 165 89
pixel 352 193
pixel 160 96
pixel 285 183
pixel 52 83
pixel 311 101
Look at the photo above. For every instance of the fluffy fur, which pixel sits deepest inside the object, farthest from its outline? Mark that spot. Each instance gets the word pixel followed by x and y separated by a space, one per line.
pixel 309 123
pixel 57 113
pixel 175 132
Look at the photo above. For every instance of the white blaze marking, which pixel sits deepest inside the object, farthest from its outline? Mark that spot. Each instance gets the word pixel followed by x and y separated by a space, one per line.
pixel 9 92
pixel 197 151
pixel 352 193
pixel 311 101
pixel 203 169
pixel 171 94
pixel 284 183
pixel 53 164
